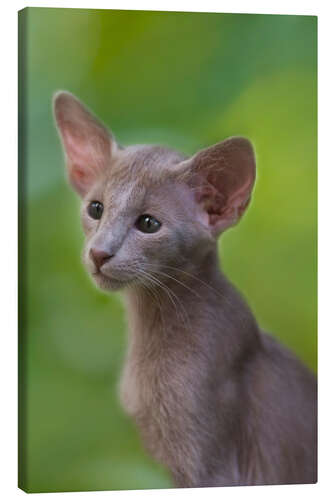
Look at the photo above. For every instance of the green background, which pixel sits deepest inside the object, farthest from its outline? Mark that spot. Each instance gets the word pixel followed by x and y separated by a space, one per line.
pixel 184 80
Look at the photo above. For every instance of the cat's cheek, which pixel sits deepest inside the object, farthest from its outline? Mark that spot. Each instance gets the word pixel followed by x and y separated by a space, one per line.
pixel 89 226
pixel 154 245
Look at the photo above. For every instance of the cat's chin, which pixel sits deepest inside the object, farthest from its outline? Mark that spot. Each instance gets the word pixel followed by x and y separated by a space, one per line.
pixel 106 283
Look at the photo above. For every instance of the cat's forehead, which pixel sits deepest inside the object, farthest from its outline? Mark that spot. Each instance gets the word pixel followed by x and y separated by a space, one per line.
pixel 136 171
pixel 143 163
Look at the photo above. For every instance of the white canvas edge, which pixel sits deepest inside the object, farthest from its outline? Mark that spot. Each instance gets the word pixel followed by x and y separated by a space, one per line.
pixel 8 247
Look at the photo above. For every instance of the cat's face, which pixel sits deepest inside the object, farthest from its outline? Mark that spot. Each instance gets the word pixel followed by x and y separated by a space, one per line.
pixel 139 226
pixel 147 211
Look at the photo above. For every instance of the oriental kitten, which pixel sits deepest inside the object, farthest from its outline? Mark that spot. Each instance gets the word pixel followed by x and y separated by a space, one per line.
pixel 216 400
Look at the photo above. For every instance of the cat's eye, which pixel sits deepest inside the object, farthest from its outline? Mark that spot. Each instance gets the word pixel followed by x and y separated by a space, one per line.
pixel 147 224
pixel 95 209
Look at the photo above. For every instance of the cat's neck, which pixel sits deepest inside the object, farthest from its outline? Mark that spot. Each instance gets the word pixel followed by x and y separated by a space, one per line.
pixel 186 344
pixel 193 305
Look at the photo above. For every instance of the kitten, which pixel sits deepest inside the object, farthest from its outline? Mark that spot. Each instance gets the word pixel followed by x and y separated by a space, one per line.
pixel 217 401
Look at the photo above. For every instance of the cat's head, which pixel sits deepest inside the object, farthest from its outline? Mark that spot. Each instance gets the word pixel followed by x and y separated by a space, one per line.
pixel 145 209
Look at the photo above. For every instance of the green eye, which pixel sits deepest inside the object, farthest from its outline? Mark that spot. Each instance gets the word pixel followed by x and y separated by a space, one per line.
pixel 95 209
pixel 147 224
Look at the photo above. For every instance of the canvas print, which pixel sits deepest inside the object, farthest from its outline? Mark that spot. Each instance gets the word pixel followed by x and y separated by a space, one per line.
pixel 167 259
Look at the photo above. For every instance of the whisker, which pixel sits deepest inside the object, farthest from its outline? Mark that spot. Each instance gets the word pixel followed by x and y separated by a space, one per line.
pixel 196 278
pixel 156 298
pixel 226 300
pixel 171 296
pixel 183 284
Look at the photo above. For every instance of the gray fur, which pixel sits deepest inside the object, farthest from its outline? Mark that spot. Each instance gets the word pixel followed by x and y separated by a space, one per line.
pixel 217 401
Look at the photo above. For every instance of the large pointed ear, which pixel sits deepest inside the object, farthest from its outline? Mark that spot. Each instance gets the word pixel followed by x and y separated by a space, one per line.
pixel 87 143
pixel 222 177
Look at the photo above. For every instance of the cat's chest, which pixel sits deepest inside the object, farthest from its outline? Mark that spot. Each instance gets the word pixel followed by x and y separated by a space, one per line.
pixel 148 382
pixel 158 374
pixel 161 390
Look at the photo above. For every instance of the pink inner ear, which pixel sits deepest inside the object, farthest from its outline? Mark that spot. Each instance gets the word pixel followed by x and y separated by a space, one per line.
pixel 87 155
pixel 209 198
pixel 223 203
pixel 81 178
pixel 224 181
pixel 86 141
pixel 84 150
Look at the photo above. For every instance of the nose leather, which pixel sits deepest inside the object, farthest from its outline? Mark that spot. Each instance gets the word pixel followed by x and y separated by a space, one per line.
pixel 99 257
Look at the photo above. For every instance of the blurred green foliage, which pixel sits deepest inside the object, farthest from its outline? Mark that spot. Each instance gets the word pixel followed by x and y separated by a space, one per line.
pixel 184 80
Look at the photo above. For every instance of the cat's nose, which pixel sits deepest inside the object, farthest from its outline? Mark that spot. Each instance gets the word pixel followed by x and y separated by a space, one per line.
pixel 99 257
